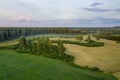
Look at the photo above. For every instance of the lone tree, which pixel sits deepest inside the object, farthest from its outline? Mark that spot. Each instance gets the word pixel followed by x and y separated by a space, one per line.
pixel 38 44
pixel 88 38
pixel 80 38
pixel 98 37
pixel 29 45
pixel 34 47
pixel 77 37
pixel 47 44
pixel 60 48
pixel 22 42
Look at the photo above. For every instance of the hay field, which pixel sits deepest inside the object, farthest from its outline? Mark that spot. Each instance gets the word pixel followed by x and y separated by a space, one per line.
pixel 8 43
pixel 107 58
pixel 70 39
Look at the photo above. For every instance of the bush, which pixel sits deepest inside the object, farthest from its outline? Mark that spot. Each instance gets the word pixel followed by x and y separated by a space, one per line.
pixel 118 41
pixel 91 43
pixel 96 69
pixel 21 50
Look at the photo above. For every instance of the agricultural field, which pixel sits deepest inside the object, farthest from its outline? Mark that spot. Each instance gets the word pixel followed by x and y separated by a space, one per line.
pixel 59 39
pixel 106 58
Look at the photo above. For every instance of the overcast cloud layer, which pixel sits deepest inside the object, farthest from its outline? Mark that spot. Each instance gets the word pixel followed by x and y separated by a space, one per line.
pixel 59 13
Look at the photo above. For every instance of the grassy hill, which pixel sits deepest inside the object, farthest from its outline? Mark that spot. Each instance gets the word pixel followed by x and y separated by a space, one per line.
pixel 15 66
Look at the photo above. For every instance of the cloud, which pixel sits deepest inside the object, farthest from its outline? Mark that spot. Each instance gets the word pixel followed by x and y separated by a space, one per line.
pixel 97 21
pixel 118 10
pixel 108 20
pixel 100 10
pixel 23 19
pixel 96 9
pixel 21 4
pixel 96 4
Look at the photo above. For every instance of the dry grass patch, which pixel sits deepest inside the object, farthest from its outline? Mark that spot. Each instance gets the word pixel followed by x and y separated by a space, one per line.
pixel 70 39
pixel 8 43
pixel 107 58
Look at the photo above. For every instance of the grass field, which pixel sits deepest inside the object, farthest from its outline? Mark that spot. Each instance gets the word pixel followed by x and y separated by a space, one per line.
pixel 107 58
pixel 15 66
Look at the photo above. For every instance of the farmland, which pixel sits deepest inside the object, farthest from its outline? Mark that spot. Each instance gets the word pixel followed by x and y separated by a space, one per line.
pixel 106 57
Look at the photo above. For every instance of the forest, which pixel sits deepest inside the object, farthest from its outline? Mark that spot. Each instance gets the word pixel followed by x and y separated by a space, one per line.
pixel 10 33
pixel 88 46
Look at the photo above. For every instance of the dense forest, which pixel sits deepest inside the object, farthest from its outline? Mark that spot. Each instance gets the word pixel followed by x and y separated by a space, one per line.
pixel 12 33
pixel 8 33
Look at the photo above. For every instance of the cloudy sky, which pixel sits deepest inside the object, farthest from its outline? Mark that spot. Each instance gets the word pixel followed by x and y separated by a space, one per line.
pixel 59 13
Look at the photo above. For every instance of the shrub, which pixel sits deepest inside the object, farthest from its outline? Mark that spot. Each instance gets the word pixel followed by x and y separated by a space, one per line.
pixel 91 43
pixel 118 41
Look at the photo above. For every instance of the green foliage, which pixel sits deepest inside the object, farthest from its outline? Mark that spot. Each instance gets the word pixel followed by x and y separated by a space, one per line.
pixel 110 35
pixel 13 33
pixel 60 48
pixel 118 41
pixel 88 38
pixel 43 46
pixel 22 42
pixel 80 38
pixel 95 69
pixel 91 43
pixel 97 37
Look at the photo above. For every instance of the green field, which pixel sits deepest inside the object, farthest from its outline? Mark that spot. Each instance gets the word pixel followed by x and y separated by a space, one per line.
pixel 15 66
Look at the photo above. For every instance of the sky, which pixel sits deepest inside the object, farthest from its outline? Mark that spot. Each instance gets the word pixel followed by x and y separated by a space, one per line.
pixel 59 13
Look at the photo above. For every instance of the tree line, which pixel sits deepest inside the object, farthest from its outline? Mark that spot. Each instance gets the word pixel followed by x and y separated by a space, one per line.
pixel 43 46
pixel 12 33
pixel 110 34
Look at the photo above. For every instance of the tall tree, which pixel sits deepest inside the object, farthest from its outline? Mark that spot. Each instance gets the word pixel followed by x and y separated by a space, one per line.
pixel 38 46
pixel 98 37
pixel 88 38
pixel 47 44
pixel 34 49
pixel 22 42
pixel 60 48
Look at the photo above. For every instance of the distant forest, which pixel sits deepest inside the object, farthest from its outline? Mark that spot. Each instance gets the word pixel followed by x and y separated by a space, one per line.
pixel 9 33
pixel 12 33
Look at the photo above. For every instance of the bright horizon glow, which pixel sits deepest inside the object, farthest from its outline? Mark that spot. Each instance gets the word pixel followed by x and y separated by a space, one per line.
pixel 59 13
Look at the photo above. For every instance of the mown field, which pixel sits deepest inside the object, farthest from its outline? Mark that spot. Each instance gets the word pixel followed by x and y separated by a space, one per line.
pixel 19 66
pixel 15 66
pixel 107 57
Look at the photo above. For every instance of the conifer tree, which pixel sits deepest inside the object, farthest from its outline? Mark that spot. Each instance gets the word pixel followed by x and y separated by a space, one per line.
pixel 47 44
pixel 88 38
pixel 38 46
pixel 98 37
pixel 81 38
pixel 22 42
pixel 60 48
pixel 33 51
